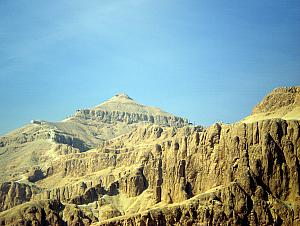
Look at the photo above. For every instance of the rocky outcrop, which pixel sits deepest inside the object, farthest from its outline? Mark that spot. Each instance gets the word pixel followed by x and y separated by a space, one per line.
pixel 79 193
pixel 283 103
pixel 69 140
pixel 13 194
pixel 35 175
pixel 129 118
pixel 21 137
pixel 45 212
pixel 229 205
pixel 259 162
pixel 262 153
pixel 42 132
pixel 134 183
pixel 279 98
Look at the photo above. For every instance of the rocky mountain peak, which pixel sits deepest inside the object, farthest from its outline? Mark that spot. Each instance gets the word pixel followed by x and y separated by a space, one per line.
pixel 119 114
pixel 278 99
pixel 121 96
pixel 281 103
pixel 123 103
pixel 118 99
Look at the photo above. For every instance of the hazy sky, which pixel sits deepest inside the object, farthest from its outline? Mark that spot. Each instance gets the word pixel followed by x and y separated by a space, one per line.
pixel 205 60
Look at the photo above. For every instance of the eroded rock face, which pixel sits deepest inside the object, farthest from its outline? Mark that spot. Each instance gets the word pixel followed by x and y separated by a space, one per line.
pixel 129 118
pixel 278 98
pixel 24 137
pixel 227 174
pixel 69 140
pixel 240 174
pixel 134 184
pixel 225 206
pixel 283 103
pixel 49 212
pixel 261 153
pixel 258 161
pixel 13 194
pixel 35 175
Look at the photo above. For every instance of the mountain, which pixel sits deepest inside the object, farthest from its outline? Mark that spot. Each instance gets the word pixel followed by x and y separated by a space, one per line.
pixel 40 142
pixel 152 168
pixel 281 103
pixel 123 103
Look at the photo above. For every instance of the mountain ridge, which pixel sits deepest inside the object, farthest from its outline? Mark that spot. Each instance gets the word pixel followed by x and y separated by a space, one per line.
pixel 153 173
pixel 282 102
pixel 86 129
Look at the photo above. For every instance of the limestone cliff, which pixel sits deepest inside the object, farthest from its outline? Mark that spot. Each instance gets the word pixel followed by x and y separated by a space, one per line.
pixel 158 174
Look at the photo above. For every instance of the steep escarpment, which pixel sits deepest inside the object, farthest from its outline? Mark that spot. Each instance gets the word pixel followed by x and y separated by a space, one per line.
pixel 158 174
pixel 227 174
pixel 129 118
pixel 123 109
pixel 249 174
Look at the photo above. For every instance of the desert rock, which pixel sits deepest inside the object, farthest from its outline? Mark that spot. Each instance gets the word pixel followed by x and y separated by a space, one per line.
pixel 161 171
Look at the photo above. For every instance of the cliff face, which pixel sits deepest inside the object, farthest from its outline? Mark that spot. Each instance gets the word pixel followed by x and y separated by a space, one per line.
pixel 129 118
pixel 253 167
pixel 227 174
pixel 242 174
pixel 13 194
pixel 237 174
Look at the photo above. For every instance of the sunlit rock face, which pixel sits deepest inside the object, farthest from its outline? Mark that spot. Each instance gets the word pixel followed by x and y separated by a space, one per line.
pixel 156 173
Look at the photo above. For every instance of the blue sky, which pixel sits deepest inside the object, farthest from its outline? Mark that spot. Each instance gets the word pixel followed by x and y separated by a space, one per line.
pixel 205 60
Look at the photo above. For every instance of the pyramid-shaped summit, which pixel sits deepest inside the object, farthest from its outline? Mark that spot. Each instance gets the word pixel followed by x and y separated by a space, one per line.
pixel 122 108
pixel 121 96
pixel 123 103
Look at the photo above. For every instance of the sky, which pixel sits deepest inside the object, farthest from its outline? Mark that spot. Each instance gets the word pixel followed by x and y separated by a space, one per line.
pixel 205 60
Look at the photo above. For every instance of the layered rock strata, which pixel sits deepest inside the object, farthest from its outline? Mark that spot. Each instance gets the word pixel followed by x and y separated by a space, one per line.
pixel 158 174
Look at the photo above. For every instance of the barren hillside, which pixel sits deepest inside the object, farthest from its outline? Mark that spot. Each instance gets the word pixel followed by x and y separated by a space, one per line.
pixel 123 163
